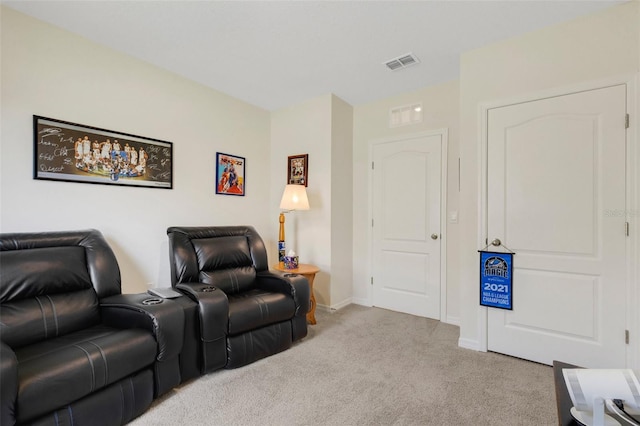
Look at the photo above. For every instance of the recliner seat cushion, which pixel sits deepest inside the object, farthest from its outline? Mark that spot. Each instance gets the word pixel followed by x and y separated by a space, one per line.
pixel 116 404
pixel 258 308
pixel 56 372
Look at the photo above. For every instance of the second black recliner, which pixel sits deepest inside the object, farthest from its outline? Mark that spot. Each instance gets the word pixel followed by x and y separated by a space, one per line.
pixel 245 312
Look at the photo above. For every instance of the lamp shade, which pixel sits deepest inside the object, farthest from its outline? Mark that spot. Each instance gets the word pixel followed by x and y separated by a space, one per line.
pixel 294 198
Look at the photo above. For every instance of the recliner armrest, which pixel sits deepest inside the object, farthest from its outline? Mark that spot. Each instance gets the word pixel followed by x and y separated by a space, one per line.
pixel 214 309
pixel 8 384
pixel 295 285
pixel 164 318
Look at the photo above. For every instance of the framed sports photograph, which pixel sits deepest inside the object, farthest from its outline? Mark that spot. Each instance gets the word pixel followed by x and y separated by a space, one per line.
pixel 297 169
pixel 230 174
pixel 73 152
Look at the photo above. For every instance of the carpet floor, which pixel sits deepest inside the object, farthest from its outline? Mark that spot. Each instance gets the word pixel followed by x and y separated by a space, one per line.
pixel 367 366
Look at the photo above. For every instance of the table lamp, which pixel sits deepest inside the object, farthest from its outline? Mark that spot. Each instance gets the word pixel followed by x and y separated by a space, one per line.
pixel 294 198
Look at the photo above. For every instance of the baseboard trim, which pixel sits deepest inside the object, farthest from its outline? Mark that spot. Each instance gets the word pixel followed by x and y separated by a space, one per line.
pixel 474 345
pixel 324 308
pixel 341 305
pixel 362 302
pixel 335 307
pixel 453 320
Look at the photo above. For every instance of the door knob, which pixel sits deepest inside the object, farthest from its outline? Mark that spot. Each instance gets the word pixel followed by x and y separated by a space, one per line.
pixel 496 242
pixel 434 236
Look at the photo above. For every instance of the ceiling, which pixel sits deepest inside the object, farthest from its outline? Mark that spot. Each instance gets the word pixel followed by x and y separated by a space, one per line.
pixel 274 54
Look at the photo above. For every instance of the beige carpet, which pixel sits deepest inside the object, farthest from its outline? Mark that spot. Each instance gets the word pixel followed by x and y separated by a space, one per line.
pixel 368 366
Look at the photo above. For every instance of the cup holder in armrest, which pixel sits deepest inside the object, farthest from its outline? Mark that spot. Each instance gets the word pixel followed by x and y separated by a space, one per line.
pixel 207 289
pixel 291 275
pixel 152 301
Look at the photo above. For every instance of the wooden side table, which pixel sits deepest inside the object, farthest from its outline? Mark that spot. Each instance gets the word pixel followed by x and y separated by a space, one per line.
pixel 309 272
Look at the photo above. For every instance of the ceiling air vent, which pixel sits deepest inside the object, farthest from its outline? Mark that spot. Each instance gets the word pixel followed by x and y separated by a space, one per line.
pixel 402 62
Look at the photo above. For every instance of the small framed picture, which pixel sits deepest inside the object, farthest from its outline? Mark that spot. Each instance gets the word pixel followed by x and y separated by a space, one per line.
pixel 230 174
pixel 297 169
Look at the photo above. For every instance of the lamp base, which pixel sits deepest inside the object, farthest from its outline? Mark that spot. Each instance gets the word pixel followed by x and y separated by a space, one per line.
pixel 281 246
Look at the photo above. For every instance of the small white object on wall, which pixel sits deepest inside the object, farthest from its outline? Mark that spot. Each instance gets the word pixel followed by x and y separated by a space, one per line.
pixel 405 115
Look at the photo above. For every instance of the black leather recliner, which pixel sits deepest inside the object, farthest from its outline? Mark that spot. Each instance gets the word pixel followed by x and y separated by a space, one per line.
pixel 73 349
pixel 246 312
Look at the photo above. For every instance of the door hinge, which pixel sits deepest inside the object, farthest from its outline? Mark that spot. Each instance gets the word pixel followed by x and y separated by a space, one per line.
pixel 626 228
pixel 372 166
pixel 371 280
pixel 626 336
pixel 626 121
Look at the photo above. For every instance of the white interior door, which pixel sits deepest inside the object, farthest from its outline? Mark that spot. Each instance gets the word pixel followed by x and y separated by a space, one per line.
pixel 406 225
pixel 556 177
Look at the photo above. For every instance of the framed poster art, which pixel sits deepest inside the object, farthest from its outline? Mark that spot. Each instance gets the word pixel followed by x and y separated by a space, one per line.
pixel 230 174
pixel 298 169
pixel 73 152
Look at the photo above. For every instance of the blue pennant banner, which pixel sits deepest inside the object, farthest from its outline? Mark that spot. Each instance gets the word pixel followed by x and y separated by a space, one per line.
pixel 496 280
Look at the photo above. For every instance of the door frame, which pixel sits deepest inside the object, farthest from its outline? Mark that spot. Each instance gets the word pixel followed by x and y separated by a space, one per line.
pixel 632 197
pixel 444 143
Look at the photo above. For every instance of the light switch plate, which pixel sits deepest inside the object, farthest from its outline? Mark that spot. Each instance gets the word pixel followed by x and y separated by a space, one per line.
pixel 453 217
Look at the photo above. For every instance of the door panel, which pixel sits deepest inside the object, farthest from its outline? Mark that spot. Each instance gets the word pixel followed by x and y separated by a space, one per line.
pixel 406 212
pixel 552 141
pixel 554 167
pixel 551 290
pixel 403 174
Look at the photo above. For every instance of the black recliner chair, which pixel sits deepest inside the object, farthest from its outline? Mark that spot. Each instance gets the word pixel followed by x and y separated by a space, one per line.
pixel 73 349
pixel 245 311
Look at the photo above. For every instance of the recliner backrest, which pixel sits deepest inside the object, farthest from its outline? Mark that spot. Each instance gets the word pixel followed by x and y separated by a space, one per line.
pixel 51 283
pixel 227 257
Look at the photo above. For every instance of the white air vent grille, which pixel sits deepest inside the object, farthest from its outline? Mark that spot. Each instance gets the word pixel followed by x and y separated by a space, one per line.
pixel 402 61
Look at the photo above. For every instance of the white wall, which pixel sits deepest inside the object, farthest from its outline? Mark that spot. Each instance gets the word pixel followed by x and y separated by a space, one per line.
pixel 305 129
pixel 635 216
pixel 50 72
pixel 322 128
pixel 371 121
pixel 586 49
pixel 341 202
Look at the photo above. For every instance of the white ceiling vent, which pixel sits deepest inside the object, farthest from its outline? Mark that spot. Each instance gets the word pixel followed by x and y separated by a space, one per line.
pixel 402 62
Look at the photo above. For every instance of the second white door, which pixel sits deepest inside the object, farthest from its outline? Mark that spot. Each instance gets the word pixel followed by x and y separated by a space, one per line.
pixel 556 191
pixel 406 225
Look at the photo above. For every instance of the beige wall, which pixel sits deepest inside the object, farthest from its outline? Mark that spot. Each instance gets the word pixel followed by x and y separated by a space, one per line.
pixel 50 72
pixel 371 122
pixel 306 129
pixel 320 127
pixel 583 50
pixel 341 202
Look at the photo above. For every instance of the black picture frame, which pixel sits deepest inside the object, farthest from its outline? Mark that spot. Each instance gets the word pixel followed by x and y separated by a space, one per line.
pixel 71 152
pixel 230 174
